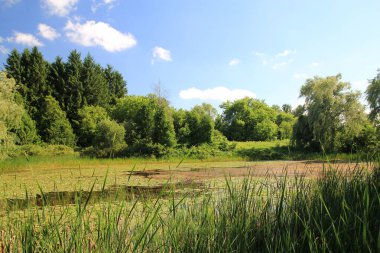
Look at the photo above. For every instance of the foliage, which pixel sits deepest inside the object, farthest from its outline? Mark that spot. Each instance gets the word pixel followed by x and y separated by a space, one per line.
pixel 90 117
pixel 330 108
pixel 26 132
pixel 163 131
pixel 373 97
pixel 109 138
pixel 10 114
pixel 248 119
pixel 55 127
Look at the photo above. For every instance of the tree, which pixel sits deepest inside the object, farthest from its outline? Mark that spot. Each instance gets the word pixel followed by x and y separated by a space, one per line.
pixel 109 137
pixel 54 125
pixel 373 98
pixel 75 91
pixel 286 108
pixel 57 81
pixel 26 132
pixel 10 113
pixel 163 131
pixel 331 107
pixel 90 117
pixel 240 119
pixel 206 109
pixel 200 128
pixel 117 86
pixel 94 83
pixel 285 122
pixel 13 66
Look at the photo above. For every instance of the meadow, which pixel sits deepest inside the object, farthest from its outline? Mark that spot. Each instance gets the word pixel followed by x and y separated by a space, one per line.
pixel 77 204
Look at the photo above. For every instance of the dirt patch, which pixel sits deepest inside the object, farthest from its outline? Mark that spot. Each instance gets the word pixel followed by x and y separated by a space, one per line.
pixel 275 169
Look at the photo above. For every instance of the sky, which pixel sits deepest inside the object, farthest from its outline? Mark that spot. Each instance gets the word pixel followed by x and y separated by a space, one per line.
pixel 205 51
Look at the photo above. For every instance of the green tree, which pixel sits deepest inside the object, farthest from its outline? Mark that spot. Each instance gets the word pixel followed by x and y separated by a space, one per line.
pixel 200 128
pixel 373 98
pixel 94 83
pixel 26 132
pixel 90 117
pixel 206 109
pixel 117 86
pixel 163 132
pixel 74 97
pixel 55 127
pixel 240 119
pixel 330 108
pixel 109 137
pixel 286 108
pixel 266 130
pixel 285 122
pixel 57 81
pixel 136 113
pixel 13 66
pixel 10 113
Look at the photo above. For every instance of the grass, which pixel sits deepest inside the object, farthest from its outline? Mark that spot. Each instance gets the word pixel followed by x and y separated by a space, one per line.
pixel 335 213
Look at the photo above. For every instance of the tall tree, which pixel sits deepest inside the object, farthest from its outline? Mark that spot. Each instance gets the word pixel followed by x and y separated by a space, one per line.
pixel 373 98
pixel 331 108
pixel 10 113
pixel 163 131
pixel 57 81
pixel 94 83
pixel 74 97
pixel 117 86
pixel 34 76
pixel 13 66
pixel 54 126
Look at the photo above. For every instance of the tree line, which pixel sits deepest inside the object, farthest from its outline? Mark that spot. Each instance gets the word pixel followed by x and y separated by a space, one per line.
pixel 79 103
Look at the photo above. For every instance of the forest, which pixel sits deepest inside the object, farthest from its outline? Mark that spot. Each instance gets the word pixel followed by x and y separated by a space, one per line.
pixel 79 104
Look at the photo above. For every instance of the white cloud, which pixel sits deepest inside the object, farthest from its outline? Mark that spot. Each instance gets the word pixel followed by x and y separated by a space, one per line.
pixel 47 32
pixel 9 3
pixel 218 93
pixel 360 85
pixel 234 62
pixel 278 65
pixel 97 4
pixel 315 64
pixel 300 76
pixel 275 61
pixel 59 7
pixel 25 39
pixel 258 54
pixel 1 39
pixel 4 50
pixel 162 54
pixel 285 53
pixel 91 33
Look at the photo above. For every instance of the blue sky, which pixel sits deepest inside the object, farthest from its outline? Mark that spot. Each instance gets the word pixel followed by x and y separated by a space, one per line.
pixel 205 51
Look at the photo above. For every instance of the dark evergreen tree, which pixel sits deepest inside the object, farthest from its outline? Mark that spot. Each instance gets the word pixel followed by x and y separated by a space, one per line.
pixel 117 86
pixel 74 92
pixel 13 66
pixel 57 81
pixel 94 83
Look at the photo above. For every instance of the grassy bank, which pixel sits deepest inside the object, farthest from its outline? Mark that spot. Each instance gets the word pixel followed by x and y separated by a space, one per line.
pixel 336 213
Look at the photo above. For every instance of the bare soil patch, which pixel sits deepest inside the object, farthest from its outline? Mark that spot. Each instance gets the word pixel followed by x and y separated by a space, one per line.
pixel 271 169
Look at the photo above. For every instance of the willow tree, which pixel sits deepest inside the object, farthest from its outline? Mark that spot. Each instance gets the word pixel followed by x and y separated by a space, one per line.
pixel 373 97
pixel 332 110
